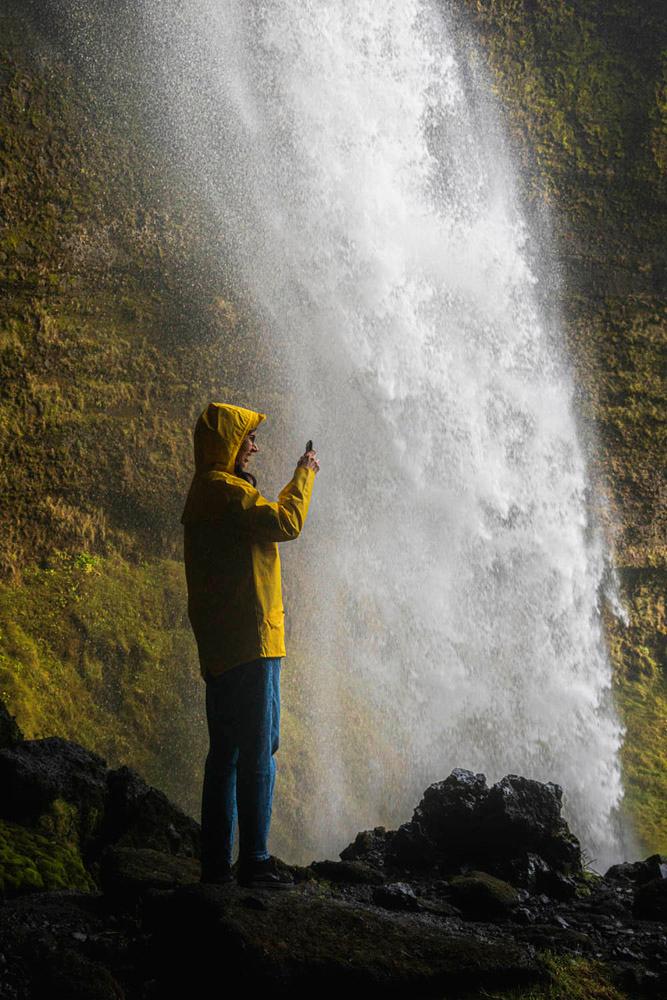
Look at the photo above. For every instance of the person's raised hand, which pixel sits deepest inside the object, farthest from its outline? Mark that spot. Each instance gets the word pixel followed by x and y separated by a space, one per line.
pixel 309 461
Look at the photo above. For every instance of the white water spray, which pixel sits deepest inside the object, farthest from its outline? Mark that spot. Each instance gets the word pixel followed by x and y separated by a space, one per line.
pixel 448 579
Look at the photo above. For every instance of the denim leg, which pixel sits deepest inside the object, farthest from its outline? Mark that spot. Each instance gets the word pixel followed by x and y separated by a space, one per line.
pixel 275 718
pixel 218 809
pixel 258 737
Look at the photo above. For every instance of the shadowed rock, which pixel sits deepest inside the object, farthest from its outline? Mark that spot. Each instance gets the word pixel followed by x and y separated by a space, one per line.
pixel 304 943
pixel 59 787
pixel 126 872
pixel 9 729
pixel 449 813
pixel 521 815
pixel 352 872
pixel 138 815
pixel 651 900
pixel 638 872
pixel 480 896
pixel 369 846
pixel 34 773
pixel 513 830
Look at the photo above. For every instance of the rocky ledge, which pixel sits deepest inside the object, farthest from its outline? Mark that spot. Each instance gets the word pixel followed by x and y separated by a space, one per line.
pixel 481 893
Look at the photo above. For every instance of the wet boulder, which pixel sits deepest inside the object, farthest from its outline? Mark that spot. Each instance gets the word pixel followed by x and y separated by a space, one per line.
pixel 369 846
pixel 450 811
pixel 523 815
pixel 127 873
pixel 138 815
pixel 350 872
pixel 481 896
pixel 302 943
pixel 61 789
pixel 513 830
pixel 650 902
pixel 9 729
pixel 638 872
pixel 411 848
pixel 556 885
pixel 396 896
pixel 36 774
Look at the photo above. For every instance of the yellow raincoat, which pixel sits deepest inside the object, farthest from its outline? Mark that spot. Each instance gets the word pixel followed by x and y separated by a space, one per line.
pixel 231 532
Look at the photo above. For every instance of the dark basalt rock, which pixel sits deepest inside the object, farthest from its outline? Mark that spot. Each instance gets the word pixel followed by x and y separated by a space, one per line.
pixel 480 896
pixel 302 945
pixel 138 815
pixel 411 848
pixel 450 811
pixel 62 790
pixel 351 872
pixel 68 974
pixel 9 729
pixel 556 885
pixel 651 900
pixel 33 773
pixel 60 944
pixel 396 896
pixel 369 846
pixel 514 830
pixel 407 912
pixel 521 815
pixel 130 871
pixel 638 872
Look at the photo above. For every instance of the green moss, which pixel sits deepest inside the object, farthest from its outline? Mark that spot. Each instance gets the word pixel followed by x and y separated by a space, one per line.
pixel 582 86
pixel 101 652
pixel 638 654
pixel 567 978
pixel 617 348
pixel 480 893
pixel 30 861
pixel 102 376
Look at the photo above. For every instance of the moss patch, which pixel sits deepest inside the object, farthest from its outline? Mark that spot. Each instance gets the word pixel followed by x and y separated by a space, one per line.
pixel 99 651
pixel 32 862
pixel 639 653
pixel 568 978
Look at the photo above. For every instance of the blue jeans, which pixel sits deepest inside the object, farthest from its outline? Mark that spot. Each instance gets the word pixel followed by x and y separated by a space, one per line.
pixel 243 715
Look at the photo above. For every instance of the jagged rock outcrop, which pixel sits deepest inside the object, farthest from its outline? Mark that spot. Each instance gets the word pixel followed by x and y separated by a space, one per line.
pixel 57 788
pixel 513 830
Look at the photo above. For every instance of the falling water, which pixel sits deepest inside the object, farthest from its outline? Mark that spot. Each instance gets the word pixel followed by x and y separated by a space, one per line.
pixel 443 603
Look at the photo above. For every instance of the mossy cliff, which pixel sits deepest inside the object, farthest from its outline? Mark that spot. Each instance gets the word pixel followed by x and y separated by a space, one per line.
pixel 109 345
pixel 115 327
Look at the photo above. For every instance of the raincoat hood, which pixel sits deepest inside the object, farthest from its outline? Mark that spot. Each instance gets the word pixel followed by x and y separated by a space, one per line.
pixel 219 433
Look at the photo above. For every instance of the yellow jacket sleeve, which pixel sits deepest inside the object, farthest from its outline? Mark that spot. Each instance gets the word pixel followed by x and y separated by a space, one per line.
pixel 244 509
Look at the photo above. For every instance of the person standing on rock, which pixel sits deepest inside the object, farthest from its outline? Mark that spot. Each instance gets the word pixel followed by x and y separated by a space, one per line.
pixel 235 607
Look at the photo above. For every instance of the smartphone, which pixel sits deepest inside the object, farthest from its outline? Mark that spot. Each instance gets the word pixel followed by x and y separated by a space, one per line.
pixel 309 445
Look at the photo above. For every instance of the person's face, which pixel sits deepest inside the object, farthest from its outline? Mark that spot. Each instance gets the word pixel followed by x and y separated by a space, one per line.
pixel 247 449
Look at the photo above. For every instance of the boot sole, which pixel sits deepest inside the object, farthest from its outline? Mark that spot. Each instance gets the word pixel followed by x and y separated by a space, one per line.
pixel 272 886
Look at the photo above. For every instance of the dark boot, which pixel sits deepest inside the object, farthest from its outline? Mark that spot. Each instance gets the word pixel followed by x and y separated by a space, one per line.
pixel 264 875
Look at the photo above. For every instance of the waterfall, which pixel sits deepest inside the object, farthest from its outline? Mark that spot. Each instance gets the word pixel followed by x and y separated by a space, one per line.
pixel 443 602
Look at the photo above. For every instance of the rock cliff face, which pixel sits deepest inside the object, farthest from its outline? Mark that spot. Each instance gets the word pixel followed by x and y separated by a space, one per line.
pixel 114 321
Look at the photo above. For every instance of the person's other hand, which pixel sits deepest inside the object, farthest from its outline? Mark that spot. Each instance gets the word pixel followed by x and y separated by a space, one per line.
pixel 309 461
